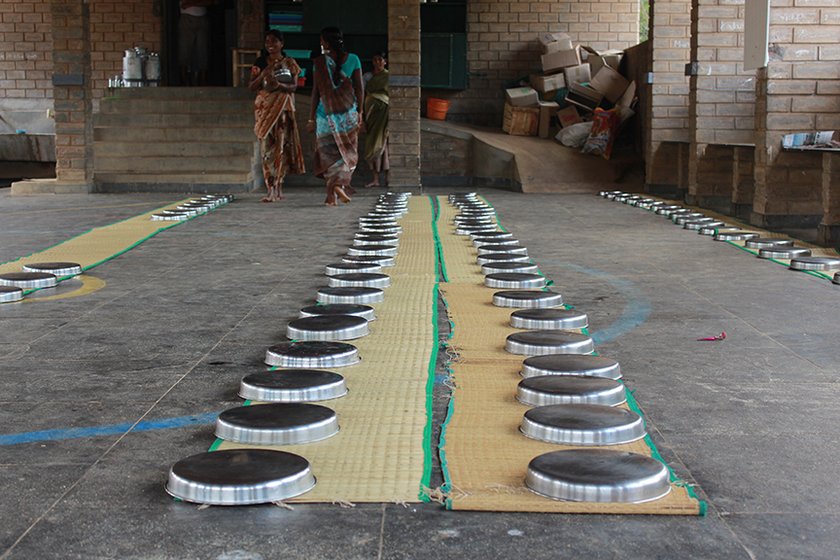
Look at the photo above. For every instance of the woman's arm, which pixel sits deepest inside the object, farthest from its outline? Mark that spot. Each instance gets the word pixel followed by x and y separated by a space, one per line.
pixel 257 77
pixel 359 89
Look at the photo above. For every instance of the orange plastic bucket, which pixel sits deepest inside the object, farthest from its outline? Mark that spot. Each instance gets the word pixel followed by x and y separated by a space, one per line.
pixel 436 109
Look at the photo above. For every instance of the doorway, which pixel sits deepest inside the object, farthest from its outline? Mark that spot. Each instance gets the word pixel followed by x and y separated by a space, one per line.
pixel 221 15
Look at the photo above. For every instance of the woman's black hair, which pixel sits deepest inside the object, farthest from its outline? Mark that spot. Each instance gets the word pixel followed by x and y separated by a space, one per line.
pixel 383 54
pixel 334 38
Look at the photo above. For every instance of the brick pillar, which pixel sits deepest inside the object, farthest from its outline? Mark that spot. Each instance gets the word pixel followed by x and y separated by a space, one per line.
pixel 404 68
pixel 250 15
pixel 829 228
pixel 72 92
pixel 668 103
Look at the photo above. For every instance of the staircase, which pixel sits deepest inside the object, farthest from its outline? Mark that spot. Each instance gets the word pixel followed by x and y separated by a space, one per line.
pixel 175 140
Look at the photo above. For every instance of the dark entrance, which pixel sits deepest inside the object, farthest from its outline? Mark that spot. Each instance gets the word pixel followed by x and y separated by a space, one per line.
pixel 222 19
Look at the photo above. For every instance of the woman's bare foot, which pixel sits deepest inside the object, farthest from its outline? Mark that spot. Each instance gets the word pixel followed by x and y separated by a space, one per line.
pixel 342 196
pixel 372 184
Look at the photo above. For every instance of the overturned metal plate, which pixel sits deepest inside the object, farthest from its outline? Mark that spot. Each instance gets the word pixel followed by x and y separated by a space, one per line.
pixel 527 299
pixel 492 235
pixel 582 424
pixel 473 219
pixel 357 310
pixel 238 477
pixel 59 269
pixel 467 230
pixel 345 268
pixel 350 295
pixel 501 257
pixel 277 424
pixel 696 224
pixel 499 241
pixel 713 228
pixel 508 266
pixel 514 280
pixel 28 280
pixel 767 243
pixel 500 248
pixel 361 280
pixel 9 294
pixel 598 475
pixel 538 343
pixel 377 240
pixel 382 261
pixel 373 250
pixel 681 219
pixel 548 319
pixel 292 385
pixel 784 253
pixel 570 364
pixel 180 216
pixel 312 355
pixel 814 263
pixel 327 327
pixel 668 209
pixel 565 389
pixel 738 235
pixel 381 228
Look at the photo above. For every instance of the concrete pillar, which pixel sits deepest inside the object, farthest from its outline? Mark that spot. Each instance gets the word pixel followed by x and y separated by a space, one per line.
pixel 404 68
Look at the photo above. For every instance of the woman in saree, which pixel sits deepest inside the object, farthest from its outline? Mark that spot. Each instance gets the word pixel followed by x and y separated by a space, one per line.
pixel 336 115
pixel 376 120
pixel 274 78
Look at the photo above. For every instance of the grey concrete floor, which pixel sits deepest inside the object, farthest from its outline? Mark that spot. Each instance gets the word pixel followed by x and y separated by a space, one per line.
pixel 753 420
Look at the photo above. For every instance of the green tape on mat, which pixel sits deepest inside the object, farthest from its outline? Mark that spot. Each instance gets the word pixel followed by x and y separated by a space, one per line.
pixel 430 387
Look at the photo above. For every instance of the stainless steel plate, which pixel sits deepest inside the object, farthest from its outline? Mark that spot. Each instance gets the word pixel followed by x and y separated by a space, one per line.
pixel 381 228
pixel 538 343
pixel 681 219
pixel 9 294
pixel 502 248
pixel 350 295
pixel 696 224
pixel 524 299
pixel 607 193
pixel 277 424
pixel 500 257
pixel 508 266
pixel 59 269
pixel 738 235
pixel 360 279
pixel 713 228
pixel 481 241
pixel 377 240
pixel 548 319
pixel 784 253
pixel 814 263
pixel 474 219
pixel 570 364
pixel 565 389
pixel 836 278
pixel 668 209
pixel 344 268
pixel 373 250
pixel 582 424
pixel 327 327
pixel 598 475
pixel 170 217
pixel 514 280
pixel 491 235
pixel 28 280
pixel 292 385
pixel 239 477
pixel 357 310
pixel 468 230
pixel 312 355
pixel 767 243
pixel 381 261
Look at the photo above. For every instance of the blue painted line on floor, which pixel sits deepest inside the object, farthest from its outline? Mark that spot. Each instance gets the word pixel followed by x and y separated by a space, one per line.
pixel 112 429
pixel 635 312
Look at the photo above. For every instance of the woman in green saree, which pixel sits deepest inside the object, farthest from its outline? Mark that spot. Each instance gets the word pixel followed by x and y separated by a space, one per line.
pixel 376 120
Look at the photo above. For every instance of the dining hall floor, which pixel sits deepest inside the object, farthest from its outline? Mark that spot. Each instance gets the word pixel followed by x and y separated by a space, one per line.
pixel 175 323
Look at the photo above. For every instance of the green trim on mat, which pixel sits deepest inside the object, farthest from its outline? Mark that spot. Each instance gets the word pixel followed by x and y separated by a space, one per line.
pixel 440 264
pixel 430 387
pixel 816 273
pixel 450 411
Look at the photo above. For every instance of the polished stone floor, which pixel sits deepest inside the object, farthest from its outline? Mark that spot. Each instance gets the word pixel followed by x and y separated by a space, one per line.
pixel 752 420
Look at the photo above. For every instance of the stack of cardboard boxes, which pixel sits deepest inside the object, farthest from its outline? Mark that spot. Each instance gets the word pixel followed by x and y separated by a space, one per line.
pixel 574 82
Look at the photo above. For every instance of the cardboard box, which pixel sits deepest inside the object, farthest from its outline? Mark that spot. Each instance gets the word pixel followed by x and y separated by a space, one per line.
pixel 547 109
pixel 553 42
pixel 556 61
pixel 579 74
pixel 568 116
pixel 522 96
pixel 544 84
pixel 610 83
pixel 628 99
pixel 584 97
pixel 599 59
pixel 521 121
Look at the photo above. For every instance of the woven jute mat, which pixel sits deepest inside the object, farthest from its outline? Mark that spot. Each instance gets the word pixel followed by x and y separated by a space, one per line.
pixel 382 451
pixel 485 457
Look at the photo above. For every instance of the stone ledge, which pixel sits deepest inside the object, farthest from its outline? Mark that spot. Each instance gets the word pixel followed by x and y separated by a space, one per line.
pixel 36 187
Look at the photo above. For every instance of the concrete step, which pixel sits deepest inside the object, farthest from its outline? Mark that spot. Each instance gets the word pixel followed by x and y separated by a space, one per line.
pixel 168 120
pixel 177 106
pixel 174 164
pixel 119 177
pixel 161 134
pixel 181 93
pixel 148 148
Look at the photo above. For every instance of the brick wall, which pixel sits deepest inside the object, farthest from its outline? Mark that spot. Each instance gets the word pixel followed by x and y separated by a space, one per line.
pixel 404 68
pixel 502 45
pixel 25 50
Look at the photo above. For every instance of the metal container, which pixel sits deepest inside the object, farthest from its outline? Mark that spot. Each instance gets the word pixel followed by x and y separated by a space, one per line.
pixel 151 70
pixel 501 257
pixel 357 310
pixel 548 319
pixel 239 477
pixel 350 295
pixel 312 355
pixel 767 243
pixel 502 248
pixel 277 424
pixel 738 235
pixel 814 263
pixel 132 65
pixel 598 475
pixel 327 327
pixel 784 253
pixel 9 294
pixel 525 299
pixel 513 280
pixel 507 266
pixel 570 364
pixel 360 279
pixel 292 385
pixel 582 424
pixel 565 389
pixel 538 343
pixel 28 280
pixel 344 268
pixel 60 269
